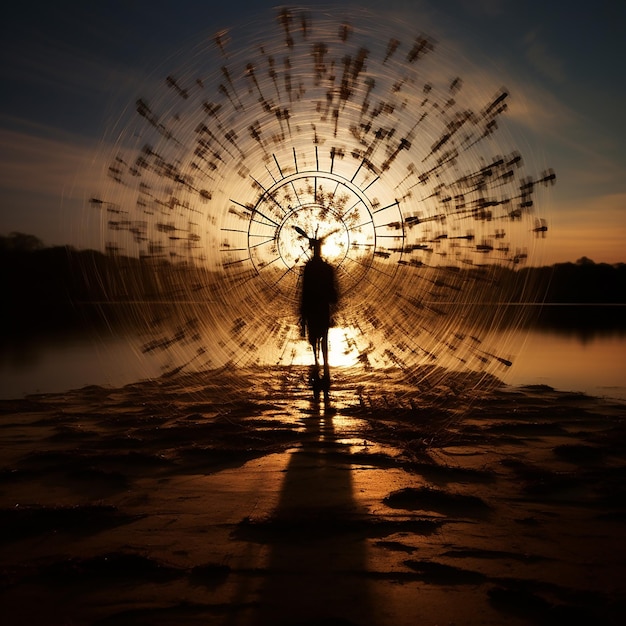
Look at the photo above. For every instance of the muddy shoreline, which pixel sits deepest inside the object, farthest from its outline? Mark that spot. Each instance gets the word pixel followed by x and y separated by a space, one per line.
pixel 231 498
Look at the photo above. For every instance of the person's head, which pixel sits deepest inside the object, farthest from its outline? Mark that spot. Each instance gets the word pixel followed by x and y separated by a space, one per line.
pixel 316 244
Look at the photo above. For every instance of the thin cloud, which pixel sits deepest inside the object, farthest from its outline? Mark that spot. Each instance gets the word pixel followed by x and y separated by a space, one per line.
pixel 539 109
pixel 542 59
pixel 52 166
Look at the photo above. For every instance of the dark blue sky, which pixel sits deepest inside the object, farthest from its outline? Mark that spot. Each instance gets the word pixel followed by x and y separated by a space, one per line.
pixel 69 67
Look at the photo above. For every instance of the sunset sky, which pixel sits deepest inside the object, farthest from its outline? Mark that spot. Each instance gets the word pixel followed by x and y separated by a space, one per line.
pixel 69 68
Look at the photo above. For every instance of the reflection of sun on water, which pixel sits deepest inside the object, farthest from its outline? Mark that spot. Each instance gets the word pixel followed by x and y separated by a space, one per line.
pixel 340 353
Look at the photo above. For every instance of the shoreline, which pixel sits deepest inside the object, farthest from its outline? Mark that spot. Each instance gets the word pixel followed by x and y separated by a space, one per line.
pixel 237 500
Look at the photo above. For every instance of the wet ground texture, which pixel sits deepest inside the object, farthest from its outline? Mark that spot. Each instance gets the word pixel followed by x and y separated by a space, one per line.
pixel 234 498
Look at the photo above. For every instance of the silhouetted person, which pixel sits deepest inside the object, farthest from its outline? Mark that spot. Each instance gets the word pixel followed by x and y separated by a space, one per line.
pixel 319 294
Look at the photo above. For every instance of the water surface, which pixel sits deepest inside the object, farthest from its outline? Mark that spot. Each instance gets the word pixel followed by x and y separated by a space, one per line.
pixel 592 363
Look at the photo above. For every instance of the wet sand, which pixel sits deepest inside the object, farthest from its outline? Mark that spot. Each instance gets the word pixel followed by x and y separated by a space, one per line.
pixel 223 498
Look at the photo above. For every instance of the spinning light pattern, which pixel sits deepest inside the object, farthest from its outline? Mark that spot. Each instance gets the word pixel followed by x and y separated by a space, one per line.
pixel 355 130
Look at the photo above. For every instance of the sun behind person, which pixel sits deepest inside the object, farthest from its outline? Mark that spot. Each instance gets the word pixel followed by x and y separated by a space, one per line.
pixel 319 296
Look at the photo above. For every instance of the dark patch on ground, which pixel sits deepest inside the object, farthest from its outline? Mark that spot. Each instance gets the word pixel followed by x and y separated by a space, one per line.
pixel 441 574
pixel 319 525
pixel 428 499
pixel 25 521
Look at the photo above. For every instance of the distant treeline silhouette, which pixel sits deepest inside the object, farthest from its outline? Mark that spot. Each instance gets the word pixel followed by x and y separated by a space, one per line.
pixel 53 288
pixel 59 288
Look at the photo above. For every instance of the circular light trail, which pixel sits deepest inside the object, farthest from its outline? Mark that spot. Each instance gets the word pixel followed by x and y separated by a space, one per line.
pixel 357 131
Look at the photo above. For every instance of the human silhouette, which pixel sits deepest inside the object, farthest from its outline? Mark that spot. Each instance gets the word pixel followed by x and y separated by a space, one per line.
pixel 319 295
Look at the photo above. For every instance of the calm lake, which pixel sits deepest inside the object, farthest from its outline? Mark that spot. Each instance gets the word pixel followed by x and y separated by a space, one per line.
pixel 593 363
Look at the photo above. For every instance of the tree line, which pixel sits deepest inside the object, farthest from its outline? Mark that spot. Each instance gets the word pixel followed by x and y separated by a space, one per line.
pixel 48 288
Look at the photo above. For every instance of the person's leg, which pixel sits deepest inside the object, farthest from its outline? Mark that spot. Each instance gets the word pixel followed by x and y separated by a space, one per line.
pixel 325 355
pixel 315 345
pixel 314 372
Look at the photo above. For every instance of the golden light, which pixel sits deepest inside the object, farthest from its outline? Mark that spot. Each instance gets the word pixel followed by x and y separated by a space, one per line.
pixel 342 350
pixel 366 138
